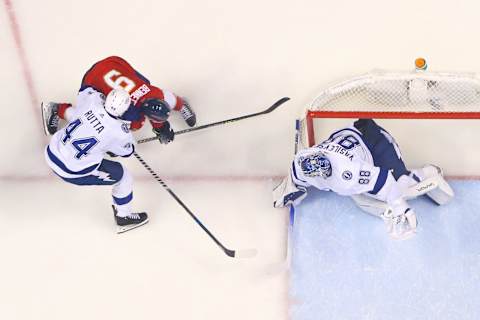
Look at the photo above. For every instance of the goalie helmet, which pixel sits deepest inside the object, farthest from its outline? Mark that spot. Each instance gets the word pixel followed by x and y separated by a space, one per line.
pixel 316 164
pixel 156 109
pixel 117 102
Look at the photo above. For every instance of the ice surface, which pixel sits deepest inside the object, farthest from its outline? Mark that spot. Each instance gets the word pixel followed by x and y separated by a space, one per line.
pixel 60 257
pixel 346 267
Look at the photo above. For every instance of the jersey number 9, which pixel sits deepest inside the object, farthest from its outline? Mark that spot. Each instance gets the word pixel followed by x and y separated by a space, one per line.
pixel 114 79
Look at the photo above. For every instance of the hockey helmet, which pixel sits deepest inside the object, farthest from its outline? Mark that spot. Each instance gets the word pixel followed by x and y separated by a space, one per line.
pixel 156 109
pixel 117 102
pixel 316 164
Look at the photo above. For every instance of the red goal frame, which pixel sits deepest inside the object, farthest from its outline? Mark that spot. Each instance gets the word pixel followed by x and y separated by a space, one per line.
pixel 310 115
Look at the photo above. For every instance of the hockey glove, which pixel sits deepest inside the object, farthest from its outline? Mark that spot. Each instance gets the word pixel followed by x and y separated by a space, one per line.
pixel 400 226
pixel 164 134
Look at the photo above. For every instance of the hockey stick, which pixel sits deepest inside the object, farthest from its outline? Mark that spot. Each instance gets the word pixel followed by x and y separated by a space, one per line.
pixel 291 212
pixel 247 253
pixel 273 107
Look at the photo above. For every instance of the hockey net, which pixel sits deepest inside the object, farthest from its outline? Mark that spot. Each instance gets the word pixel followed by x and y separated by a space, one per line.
pixel 437 100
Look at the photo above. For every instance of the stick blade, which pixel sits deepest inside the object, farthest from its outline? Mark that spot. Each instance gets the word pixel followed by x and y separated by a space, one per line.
pixel 245 253
pixel 277 104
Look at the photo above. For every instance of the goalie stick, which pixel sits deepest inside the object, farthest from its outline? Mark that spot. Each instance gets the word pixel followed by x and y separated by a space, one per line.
pixel 291 212
pixel 270 109
pixel 246 253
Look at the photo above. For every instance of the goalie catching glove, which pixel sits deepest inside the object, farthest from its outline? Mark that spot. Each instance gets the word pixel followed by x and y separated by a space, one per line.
pixel 164 134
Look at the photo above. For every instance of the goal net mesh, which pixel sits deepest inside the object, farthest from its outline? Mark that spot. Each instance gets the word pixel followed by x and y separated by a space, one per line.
pixel 409 95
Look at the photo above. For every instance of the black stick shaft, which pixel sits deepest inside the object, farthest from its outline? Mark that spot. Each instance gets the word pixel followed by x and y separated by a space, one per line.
pixel 228 252
pixel 270 109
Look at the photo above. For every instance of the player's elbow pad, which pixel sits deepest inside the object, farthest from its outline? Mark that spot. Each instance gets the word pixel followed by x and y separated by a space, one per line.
pixel 128 155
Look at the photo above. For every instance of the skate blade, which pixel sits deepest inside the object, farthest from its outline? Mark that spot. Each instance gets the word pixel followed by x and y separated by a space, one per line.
pixel 122 229
pixel 245 253
pixel 44 121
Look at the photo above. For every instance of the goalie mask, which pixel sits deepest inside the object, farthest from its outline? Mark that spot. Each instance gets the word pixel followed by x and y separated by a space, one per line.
pixel 316 164
pixel 156 109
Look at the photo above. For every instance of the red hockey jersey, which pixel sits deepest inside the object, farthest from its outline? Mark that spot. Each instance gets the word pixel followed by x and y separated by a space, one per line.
pixel 114 71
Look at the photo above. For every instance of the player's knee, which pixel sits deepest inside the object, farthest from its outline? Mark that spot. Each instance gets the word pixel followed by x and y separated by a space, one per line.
pixel 365 124
pixel 126 177
pixel 124 186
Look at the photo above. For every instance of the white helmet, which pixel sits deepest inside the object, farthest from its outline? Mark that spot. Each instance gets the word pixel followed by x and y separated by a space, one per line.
pixel 117 102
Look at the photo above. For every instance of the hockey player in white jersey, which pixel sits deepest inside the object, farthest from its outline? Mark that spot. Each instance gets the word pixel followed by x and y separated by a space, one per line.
pixel 363 161
pixel 76 153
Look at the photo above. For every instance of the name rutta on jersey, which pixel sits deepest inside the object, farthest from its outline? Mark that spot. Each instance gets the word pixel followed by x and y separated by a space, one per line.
pixel 94 121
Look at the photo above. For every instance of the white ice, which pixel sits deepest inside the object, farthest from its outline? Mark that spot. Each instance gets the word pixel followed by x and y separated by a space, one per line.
pixel 59 255
pixel 346 267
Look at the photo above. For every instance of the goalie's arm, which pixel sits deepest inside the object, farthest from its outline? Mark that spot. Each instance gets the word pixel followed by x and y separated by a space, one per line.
pixel 400 219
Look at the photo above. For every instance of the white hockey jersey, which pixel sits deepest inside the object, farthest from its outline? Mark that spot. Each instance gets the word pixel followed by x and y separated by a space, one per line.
pixel 353 170
pixel 79 148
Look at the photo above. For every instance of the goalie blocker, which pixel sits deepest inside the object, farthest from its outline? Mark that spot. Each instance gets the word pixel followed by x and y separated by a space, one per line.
pixel 363 161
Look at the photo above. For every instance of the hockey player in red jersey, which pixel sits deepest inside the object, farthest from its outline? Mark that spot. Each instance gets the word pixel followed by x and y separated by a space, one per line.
pixel 148 101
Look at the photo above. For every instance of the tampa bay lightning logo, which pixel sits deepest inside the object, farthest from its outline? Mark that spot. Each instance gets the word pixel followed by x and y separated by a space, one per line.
pixel 125 127
pixel 347 175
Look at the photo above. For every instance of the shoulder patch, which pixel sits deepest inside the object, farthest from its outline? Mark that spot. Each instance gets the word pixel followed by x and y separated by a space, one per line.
pixel 125 127
pixel 347 175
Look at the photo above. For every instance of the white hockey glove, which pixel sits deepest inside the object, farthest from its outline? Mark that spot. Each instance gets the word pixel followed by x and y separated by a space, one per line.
pixel 287 193
pixel 400 225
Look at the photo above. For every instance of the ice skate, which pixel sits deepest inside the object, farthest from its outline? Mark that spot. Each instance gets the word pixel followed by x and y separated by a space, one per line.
pixel 188 114
pixel 50 117
pixel 132 221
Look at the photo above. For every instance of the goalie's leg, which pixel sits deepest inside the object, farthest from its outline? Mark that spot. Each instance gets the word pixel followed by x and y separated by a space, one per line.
pixel 401 224
pixel 427 180
pixel 370 205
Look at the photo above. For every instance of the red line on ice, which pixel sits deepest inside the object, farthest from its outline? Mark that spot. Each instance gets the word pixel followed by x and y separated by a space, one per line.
pixel 21 54
pixel 179 178
pixel 188 178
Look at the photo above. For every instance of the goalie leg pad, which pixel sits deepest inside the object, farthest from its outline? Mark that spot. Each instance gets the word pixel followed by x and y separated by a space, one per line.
pixel 401 225
pixel 370 205
pixel 287 193
pixel 433 185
